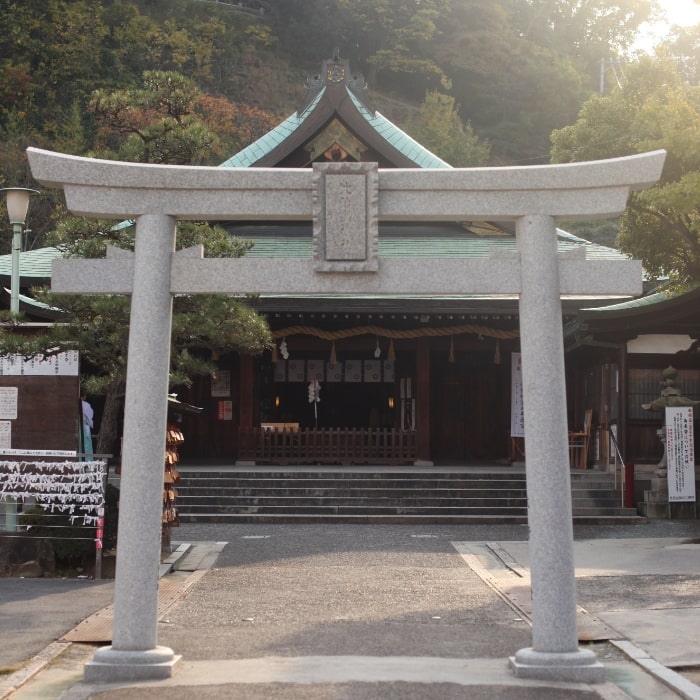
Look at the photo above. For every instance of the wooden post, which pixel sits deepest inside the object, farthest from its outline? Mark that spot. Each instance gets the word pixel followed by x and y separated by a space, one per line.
pixel 423 402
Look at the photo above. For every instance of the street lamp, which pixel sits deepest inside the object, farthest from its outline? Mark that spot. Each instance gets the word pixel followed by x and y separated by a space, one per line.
pixel 17 204
pixel 17 199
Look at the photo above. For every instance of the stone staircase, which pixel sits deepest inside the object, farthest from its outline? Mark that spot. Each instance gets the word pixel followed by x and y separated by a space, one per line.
pixel 382 496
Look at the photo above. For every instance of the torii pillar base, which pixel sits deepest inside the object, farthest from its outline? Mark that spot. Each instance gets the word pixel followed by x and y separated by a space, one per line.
pixel 109 665
pixel 580 666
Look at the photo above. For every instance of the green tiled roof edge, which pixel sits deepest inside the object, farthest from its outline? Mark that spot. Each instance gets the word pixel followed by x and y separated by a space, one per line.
pixel 301 246
pixel 399 139
pixel 258 149
pixel 32 263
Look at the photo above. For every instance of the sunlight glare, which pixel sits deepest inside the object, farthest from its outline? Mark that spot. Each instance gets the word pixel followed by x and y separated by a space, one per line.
pixel 678 12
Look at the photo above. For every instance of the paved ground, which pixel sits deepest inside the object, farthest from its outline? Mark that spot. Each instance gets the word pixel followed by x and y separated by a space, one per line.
pixel 359 612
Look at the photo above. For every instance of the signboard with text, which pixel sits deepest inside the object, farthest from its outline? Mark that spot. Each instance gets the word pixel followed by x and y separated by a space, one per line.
pixel 517 414
pixel 680 454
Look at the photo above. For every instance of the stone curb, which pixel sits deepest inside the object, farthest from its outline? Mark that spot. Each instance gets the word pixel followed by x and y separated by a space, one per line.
pixel 40 661
pixel 685 688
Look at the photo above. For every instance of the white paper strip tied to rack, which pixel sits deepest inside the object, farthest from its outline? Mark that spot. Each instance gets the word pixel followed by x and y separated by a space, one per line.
pixel 76 488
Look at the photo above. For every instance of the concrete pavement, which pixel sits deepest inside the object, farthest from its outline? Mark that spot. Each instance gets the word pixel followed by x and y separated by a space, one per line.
pixel 361 611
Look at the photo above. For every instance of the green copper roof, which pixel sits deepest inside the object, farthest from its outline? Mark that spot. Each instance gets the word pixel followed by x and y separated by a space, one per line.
pixel 269 141
pixel 34 264
pixel 409 242
pixel 641 303
pixel 663 303
pixel 400 140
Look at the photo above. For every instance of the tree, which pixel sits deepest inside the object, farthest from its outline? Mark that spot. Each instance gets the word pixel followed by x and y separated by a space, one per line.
pixel 158 127
pixel 591 29
pixel 440 129
pixel 522 68
pixel 654 109
pixel 391 40
pixel 393 37
pixel 235 125
pixel 154 123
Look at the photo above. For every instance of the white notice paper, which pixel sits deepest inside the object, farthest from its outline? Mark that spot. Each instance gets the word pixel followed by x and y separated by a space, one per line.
pixel 8 402
pixel 680 454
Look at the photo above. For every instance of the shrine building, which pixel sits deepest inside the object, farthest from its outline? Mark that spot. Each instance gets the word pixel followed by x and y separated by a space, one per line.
pixel 404 380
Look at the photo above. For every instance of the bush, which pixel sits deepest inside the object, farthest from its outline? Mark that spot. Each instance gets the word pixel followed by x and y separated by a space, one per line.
pixel 73 545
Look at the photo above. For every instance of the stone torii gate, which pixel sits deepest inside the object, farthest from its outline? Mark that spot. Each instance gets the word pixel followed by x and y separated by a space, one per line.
pixel 346 202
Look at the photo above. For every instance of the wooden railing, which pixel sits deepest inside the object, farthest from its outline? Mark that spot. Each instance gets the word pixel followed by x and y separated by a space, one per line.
pixel 327 446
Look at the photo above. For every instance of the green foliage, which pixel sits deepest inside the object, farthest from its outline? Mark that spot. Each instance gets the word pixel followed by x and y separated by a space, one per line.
pixel 155 122
pixel 655 108
pixel 73 544
pixel 440 129
pixel 518 68
pixel 601 231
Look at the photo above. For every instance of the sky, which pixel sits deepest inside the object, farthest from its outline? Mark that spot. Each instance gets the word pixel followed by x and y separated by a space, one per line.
pixel 683 12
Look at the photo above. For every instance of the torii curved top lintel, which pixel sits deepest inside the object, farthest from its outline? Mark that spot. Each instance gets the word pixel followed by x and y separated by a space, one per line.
pixel 96 187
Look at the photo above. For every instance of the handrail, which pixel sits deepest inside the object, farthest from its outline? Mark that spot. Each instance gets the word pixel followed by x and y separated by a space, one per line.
pixel 622 467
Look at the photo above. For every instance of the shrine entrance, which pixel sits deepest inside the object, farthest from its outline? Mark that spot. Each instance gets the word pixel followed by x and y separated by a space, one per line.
pixel 345 202
pixel 470 417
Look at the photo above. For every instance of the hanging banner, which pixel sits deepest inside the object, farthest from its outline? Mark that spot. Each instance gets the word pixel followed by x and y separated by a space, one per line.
pixel 297 370
pixel 221 383
pixel 225 410
pixel 680 454
pixel 62 364
pixel 373 370
pixel 517 414
pixel 334 371
pixel 314 370
pixel 353 370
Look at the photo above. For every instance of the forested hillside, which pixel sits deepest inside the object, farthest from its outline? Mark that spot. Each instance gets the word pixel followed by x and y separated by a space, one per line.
pixel 479 82
pixel 498 74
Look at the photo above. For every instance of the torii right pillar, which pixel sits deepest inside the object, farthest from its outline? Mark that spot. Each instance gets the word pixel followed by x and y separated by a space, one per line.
pixel 555 653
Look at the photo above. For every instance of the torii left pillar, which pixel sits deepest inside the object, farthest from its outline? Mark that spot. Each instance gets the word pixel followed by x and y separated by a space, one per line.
pixel 134 652
pixel 345 202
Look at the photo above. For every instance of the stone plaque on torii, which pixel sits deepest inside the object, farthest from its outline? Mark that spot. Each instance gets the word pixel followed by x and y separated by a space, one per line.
pixel 346 201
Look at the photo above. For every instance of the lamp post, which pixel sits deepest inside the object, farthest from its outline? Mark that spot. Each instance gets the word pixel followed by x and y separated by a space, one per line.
pixel 17 199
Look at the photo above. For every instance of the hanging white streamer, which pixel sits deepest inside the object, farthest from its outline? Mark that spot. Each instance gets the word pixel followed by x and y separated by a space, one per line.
pixel 63 487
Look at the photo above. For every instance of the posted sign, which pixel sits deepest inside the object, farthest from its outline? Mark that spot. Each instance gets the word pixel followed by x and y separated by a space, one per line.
pixel 680 454
pixel 517 412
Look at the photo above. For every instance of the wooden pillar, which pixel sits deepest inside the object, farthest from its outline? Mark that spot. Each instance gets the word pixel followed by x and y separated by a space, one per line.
pixel 246 397
pixel 247 391
pixel 423 402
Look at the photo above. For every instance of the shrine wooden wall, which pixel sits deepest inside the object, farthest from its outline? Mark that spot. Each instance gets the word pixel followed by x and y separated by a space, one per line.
pixel 48 412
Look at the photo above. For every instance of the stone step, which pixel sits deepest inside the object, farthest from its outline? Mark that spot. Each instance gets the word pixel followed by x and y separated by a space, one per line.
pixel 403 519
pixel 362 496
pixel 338 483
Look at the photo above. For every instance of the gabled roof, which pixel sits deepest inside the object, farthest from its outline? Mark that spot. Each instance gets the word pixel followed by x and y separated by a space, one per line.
pixel 336 117
pixel 660 312
pixel 336 94
pixel 34 266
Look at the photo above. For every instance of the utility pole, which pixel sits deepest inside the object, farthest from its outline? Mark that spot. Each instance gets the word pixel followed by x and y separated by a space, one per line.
pixel 612 62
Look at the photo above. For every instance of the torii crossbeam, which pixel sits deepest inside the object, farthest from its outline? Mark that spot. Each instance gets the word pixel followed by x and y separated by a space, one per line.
pixel 346 201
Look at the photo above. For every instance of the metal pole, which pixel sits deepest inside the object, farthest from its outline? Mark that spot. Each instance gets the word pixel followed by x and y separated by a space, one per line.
pixel 11 503
pixel 14 281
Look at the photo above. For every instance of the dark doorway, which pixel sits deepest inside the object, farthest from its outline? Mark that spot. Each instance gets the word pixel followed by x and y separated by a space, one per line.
pixel 470 409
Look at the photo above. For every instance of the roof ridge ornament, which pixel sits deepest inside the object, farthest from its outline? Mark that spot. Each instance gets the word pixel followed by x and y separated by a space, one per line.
pixel 335 71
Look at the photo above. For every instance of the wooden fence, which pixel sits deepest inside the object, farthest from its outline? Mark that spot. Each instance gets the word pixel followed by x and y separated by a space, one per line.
pixel 327 446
